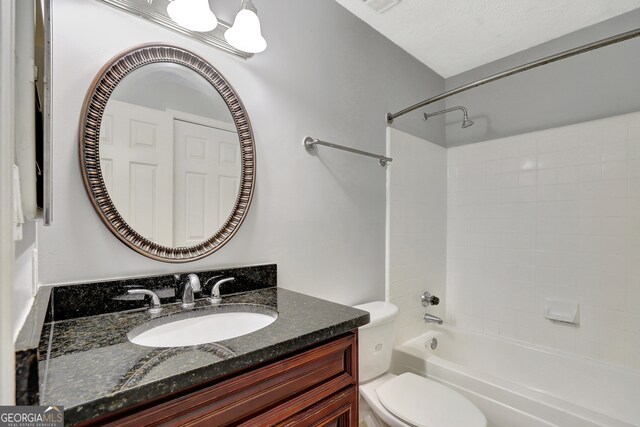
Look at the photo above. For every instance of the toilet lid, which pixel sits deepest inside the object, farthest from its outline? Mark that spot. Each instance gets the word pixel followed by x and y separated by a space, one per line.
pixel 425 403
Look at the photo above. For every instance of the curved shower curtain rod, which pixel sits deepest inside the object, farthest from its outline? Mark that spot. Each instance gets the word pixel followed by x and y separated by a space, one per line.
pixel 528 66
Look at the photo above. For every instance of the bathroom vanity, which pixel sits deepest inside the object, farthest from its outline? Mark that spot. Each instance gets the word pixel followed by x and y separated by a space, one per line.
pixel 300 369
pixel 172 177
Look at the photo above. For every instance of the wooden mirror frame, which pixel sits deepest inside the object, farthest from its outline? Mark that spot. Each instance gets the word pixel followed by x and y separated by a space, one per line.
pixel 93 108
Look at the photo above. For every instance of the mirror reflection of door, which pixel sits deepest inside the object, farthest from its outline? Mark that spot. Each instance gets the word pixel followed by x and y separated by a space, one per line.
pixel 170 155
pixel 204 195
pixel 136 157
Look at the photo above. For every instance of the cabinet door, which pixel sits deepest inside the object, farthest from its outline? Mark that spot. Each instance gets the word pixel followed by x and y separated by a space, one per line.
pixel 339 410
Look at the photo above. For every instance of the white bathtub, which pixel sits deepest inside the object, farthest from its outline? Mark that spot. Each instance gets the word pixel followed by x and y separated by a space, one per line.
pixel 518 385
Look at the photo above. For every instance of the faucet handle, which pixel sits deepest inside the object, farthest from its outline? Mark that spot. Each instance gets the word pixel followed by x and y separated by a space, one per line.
pixel 215 291
pixel 428 299
pixel 154 306
pixel 206 283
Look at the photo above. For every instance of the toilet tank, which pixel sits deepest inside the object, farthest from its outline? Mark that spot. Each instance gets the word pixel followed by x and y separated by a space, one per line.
pixel 375 340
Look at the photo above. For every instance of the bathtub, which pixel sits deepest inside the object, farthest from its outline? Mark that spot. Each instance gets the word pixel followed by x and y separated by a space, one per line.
pixel 521 385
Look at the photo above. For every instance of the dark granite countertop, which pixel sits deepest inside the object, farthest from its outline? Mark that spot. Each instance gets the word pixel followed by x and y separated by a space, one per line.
pixel 88 365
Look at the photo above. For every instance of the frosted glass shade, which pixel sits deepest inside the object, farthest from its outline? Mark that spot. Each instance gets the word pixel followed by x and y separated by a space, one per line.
pixel 193 15
pixel 245 34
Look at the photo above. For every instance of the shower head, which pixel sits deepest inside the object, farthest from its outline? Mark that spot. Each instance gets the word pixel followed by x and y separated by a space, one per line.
pixel 466 122
pixel 465 119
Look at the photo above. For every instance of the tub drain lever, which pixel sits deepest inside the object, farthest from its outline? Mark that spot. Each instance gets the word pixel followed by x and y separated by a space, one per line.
pixel 428 299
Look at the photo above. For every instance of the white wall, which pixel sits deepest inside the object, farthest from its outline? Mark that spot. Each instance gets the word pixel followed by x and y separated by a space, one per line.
pixel 23 272
pixel 7 138
pixel 320 217
pixel 416 229
pixel 556 214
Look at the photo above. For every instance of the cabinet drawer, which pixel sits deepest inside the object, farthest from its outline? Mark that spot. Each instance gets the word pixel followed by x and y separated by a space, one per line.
pixel 310 376
pixel 339 410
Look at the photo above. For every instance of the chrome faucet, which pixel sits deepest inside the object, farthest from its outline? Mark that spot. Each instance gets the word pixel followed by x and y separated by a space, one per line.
pixel 427 300
pixel 430 318
pixel 154 306
pixel 192 286
pixel 215 291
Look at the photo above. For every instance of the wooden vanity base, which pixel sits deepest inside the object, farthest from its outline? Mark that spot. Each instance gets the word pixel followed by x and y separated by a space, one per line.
pixel 317 387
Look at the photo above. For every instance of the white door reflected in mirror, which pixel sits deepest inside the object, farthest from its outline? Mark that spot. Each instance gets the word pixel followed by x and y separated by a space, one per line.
pixel 205 195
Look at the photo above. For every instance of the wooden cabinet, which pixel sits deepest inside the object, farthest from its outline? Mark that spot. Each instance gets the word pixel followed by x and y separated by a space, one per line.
pixel 316 387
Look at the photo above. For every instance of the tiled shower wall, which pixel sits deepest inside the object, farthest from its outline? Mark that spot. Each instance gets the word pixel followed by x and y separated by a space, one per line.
pixel 550 214
pixel 416 228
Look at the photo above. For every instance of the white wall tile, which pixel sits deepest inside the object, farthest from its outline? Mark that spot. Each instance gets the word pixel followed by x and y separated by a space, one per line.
pixel 614 151
pixel 590 172
pixel 632 350
pixel 568 228
pixel 620 169
pixel 590 154
pixel 567 174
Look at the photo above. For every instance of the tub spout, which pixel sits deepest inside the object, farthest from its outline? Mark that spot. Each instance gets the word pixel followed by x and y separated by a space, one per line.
pixel 430 318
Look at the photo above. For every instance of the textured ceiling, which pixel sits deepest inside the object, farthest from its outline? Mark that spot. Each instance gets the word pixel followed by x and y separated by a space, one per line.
pixel 452 36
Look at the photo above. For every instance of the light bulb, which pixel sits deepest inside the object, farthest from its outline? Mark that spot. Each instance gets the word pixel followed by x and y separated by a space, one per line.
pixel 193 15
pixel 245 34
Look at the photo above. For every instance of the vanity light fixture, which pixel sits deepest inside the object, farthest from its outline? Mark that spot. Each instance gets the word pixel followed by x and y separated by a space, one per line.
pixel 245 34
pixel 194 15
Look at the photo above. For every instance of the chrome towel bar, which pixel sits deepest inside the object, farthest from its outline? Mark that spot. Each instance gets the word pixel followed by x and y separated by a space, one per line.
pixel 310 144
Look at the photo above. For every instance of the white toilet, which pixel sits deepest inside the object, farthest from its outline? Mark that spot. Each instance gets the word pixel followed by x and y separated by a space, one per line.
pixel 406 400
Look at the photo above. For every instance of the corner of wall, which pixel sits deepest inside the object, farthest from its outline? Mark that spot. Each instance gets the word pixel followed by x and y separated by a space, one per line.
pixel 416 230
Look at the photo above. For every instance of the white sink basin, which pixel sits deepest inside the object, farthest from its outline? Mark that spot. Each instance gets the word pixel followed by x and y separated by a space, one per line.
pixel 199 328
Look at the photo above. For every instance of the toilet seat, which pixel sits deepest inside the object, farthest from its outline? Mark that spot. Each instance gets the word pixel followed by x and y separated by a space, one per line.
pixel 409 400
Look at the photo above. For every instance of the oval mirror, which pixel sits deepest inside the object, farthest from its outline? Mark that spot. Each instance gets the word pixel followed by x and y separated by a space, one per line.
pixel 167 153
